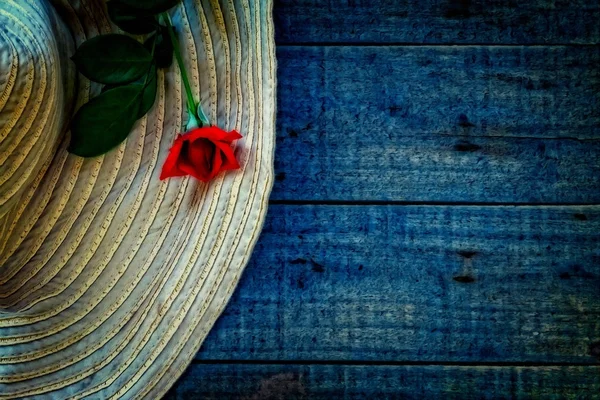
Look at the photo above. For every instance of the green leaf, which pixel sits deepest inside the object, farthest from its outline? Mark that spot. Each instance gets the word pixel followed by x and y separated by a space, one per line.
pixel 148 92
pixel 105 121
pixel 112 59
pixel 126 18
pixel 163 52
pixel 151 6
pixel 149 87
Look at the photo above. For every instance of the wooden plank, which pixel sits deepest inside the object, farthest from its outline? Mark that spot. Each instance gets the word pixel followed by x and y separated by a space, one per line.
pixel 437 21
pixel 418 283
pixel 231 381
pixel 461 90
pixel 461 124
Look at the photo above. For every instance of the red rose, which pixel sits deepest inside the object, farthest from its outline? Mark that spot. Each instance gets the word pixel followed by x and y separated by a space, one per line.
pixel 201 153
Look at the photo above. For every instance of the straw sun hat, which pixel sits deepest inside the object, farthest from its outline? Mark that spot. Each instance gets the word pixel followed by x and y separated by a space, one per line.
pixel 110 278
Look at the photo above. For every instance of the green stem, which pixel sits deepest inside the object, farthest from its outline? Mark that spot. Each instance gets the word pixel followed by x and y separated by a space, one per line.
pixel 192 108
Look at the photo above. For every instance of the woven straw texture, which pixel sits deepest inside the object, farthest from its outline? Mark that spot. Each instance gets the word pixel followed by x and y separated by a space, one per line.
pixel 111 279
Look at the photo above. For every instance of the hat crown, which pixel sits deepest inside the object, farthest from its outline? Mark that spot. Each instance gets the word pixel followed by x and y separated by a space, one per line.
pixel 36 92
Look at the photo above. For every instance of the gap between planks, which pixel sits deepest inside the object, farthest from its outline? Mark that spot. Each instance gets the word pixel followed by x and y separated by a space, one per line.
pixel 420 203
pixel 409 44
pixel 397 363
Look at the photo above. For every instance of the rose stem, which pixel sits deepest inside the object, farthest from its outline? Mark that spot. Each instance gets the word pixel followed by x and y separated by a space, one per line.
pixel 186 83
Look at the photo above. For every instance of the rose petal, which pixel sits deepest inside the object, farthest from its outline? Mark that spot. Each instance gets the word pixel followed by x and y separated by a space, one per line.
pixel 208 132
pixel 191 167
pixel 216 164
pixel 170 168
pixel 231 136
pixel 203 153
pixel 229 160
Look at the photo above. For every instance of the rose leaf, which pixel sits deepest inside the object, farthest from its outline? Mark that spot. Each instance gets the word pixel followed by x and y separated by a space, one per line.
pixel 126 18
pixel 151 6
pixel 105 121
pixel 163 51
pixel 147 83
pixel 112 59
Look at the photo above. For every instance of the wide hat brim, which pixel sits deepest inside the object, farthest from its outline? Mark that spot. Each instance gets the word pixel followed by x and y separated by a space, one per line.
pixel 111 278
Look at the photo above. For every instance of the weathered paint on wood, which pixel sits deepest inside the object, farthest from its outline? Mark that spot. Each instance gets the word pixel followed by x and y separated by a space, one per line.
pixel 437 21
pixel 407 91
pixel 371 119
pixel 314 382
pixel 418 283
pixel 436 169
pixel 451 124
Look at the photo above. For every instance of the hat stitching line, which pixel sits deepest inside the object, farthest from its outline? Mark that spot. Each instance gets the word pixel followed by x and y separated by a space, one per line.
pixel 24 151
pixel 12 75
pixel 221 180
pixel 139 274
pixel 224 272
pixel 57 346
pixel 107 360
pixel 31 71
pixel 215 249
pixel 34 271
pixel 198 316
pixel 7 276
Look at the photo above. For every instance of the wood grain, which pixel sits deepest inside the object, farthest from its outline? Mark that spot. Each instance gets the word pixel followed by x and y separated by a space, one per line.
pixel 429 283
pixel 457 102
pixel 437 21
pixel 410 91
pixel 314 382
pixel 455 124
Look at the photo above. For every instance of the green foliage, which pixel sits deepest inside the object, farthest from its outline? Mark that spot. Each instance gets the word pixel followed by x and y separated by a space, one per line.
pixel 148 92
pixel 150 6
pixel 112 59
pixel 127 68
pixel 163 54
pixel 127 19
pixel 105 121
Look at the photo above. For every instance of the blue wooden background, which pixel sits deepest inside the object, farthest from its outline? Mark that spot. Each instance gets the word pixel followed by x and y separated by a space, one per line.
pixel 434 231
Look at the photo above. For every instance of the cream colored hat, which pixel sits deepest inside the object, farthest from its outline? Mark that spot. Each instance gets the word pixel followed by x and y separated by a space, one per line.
pixel 110 279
